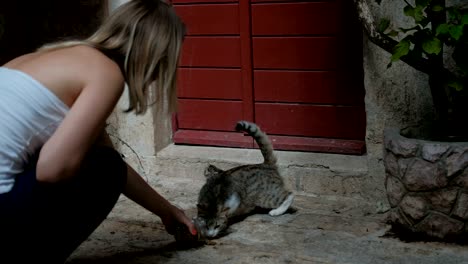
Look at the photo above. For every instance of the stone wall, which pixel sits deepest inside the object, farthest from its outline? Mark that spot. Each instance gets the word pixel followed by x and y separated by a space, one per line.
pixel 398 96
pixel 138 138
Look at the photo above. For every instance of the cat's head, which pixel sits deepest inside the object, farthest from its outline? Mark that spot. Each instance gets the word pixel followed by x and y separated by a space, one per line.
pixel 213 213
pixel 212 227
pixel 215 203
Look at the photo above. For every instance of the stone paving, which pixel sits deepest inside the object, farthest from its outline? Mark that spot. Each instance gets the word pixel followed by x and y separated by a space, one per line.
pixel 326 226
pixel 318 230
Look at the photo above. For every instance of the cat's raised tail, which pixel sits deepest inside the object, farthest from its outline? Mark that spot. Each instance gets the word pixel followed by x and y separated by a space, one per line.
pixel 261 138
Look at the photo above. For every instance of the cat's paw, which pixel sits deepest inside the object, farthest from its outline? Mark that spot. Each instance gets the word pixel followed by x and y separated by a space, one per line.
pixel 283 207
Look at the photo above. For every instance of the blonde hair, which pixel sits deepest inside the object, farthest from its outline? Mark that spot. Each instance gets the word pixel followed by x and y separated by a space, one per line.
pixel 144 37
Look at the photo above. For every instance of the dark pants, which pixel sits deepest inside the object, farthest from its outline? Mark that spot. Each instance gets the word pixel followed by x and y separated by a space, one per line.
pixel 47 222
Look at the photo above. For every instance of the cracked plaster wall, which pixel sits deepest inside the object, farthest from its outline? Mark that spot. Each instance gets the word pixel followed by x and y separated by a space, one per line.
pixel 138 138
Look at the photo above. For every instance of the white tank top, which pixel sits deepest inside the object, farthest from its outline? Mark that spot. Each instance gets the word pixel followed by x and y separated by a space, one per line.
pixel 29 115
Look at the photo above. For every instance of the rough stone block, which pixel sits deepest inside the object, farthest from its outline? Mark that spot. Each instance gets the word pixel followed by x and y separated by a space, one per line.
pixel 391 165
pixel 457 161
pixel 461 207
pixel 404 164
pixel 403 147
pixel 443 200
pixel 395 216
pixel 414 206
pixel 462 179
pixel 395 190
pixel 433 151
pixel 422 175
pixel 440 226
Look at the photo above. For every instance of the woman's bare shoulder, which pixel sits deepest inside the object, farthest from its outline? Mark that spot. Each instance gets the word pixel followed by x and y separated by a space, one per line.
pixel 67 71
pixel 90 60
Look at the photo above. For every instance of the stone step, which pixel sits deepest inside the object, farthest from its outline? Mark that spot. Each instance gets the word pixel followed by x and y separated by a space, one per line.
pixel 305 173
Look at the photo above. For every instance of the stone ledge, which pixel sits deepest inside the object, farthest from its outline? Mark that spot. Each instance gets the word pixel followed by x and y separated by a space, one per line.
pixel 309 173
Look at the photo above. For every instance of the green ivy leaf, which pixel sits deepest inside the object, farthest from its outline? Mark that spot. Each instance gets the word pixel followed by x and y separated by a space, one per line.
pixel 383 25
pixel 419 15
pixel 442 29
pixel 414 12
pixel 456 31
pixel 432 46
pixel 464 20
pixel 454 13
pixel 457 85
pixel 393 33
pixel 400 50
pixel 408 11
pixel 437 8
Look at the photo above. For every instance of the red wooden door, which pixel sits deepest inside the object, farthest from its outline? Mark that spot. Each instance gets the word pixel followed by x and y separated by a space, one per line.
pixel 292 67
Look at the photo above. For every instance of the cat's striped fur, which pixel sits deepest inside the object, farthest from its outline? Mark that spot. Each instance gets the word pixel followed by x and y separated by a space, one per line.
pixel 240 190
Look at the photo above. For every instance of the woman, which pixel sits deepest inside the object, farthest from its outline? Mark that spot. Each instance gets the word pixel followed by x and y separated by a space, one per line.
pixel 59 178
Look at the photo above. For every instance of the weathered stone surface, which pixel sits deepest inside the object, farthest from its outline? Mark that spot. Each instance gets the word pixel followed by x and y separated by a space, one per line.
pixel 433 151
pixel 402 146
pixel 414 206
pixel 457 161
pixel 462 179
pixel 314 234
pixel 461 207
pixel 440 226
pixel 395 190
pixel 396 216
pixel 403 163
pixel 422 175
pixel 442 200
pixel 391 165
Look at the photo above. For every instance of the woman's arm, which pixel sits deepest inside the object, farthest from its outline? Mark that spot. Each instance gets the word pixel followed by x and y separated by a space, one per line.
pixel 139 191
pixel 102 85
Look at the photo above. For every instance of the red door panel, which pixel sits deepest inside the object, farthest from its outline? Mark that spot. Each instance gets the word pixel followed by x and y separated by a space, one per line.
pixel 295 18
pixel 209 114
pixel 294 53
pixel 293 67
pixel 311 120
pixel 201 1
pixel 211 52
pixel 209 83
pixel 213 138
pixel 210 19
pixel 320 87
pixel 274 1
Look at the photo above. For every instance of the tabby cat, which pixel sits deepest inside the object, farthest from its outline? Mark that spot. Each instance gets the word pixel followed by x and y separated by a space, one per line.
pixel 240 190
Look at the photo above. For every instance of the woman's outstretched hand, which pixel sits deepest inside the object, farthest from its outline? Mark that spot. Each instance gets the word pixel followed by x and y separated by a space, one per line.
pixel 138 190
pixel 174 217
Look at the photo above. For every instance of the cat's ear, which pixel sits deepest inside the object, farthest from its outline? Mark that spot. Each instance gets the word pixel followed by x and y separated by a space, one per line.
pixel 202 205
pixel 201 208
pixel 212 170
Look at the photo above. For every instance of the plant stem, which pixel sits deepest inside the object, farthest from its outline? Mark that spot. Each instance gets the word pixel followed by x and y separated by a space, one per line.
pixel 438 73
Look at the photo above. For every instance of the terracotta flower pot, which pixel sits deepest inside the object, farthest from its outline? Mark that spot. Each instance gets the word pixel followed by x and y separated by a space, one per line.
pixel 427 185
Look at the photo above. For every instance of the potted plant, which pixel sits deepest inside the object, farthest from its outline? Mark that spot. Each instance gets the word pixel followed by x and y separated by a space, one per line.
pixel 427 166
